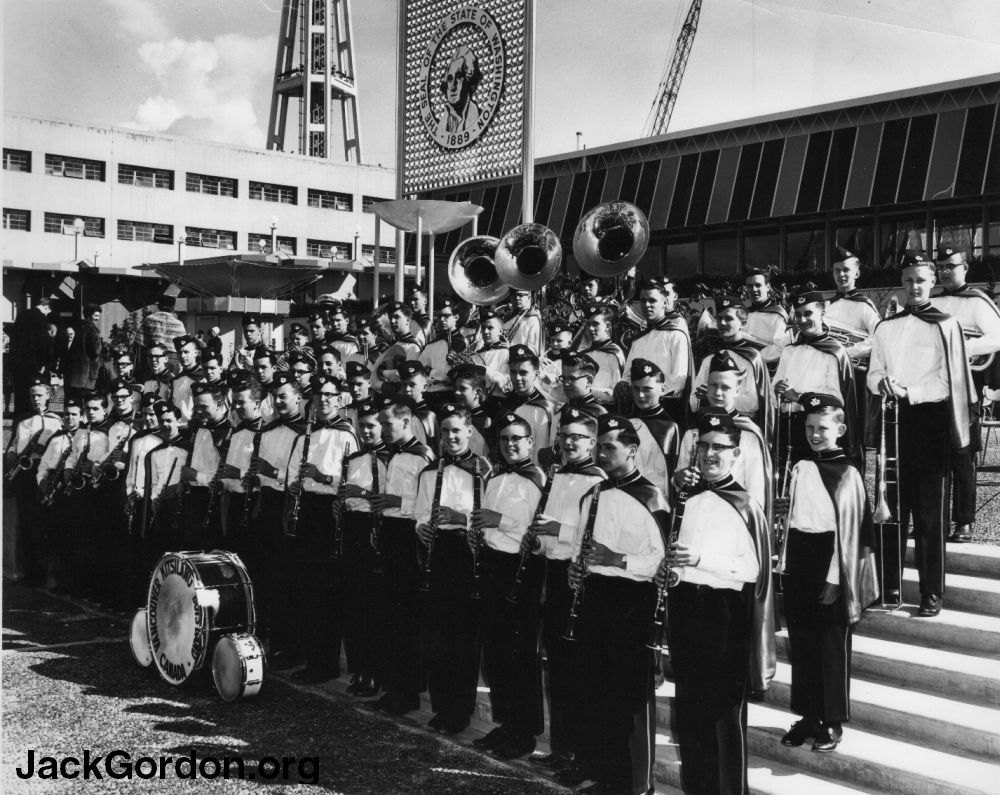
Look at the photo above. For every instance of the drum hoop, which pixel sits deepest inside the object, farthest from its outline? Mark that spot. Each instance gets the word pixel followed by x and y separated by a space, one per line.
pixel 132 638
pixel 235 639
pixel 202 618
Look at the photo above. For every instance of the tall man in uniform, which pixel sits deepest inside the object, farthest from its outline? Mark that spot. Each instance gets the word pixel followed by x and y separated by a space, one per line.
pixel 525 326
pixel 525 399
pixel 767 324
pixel 161 380
pixel 609 356
pixel 243 356
pixel 202 516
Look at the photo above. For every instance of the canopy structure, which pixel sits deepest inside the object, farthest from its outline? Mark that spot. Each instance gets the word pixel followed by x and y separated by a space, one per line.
pixel 242 275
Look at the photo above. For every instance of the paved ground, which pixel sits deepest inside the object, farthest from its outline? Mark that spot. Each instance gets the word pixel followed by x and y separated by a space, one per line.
pixel 69 684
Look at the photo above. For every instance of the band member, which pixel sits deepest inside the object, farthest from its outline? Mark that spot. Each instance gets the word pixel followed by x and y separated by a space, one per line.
pixel 161 380
pixel 525 399
pixel 359 386
pixel 579 371
pixel 828 576
pixel 557 530
pixel 756 398
pixel 849 308
pixel 263 368
pixel 919 358
pixel 318 330
pixel 189 354
pixel 494 352
pixel 404 347
pixel 235 476
pixel 622 549
pixel 659 436
pixel 421 326
pixel 980 321
pixel 665 341
pixel 59 518
pixel 299 343
pixel 314 483
pixel 347 344
pixel 30 436
pixel 202 511
pixel 447 341
pixel 277 589
pixel 816 362
pixel 124 367
pixel 511 660
pixel 328 361
pixel 609 356
pixel 137 478
pixel 122 428
pixel 360 580
pixel 244 355
pixel 164 464
pixel 413 382
pixel 525 326
pixel 560 337
pixel 302 366
pixel 212 367
pixel 450 616
pixel 767 324
pixel 469 391
pixel 720 632
pixel 370 344
pixel 396 619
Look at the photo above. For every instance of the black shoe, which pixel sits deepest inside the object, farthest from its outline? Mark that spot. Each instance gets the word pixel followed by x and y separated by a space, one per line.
pixel 367 687
pixel 383 703
pixel 436 723
pixel 571 775
pixel 516 747
pixel 930 605
pixel 355 683
pixel 496 737
pixel 283 660
pixel 961 535
pixel 455 725
pixel 312 676
pixel 400 705
pixel 597 788
pixel 801 731
pixel 828 739
pixel 553 762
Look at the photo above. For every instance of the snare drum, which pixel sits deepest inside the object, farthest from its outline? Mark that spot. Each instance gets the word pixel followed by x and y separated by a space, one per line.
pixel 138 639
pixel 238 666
pixel 194 599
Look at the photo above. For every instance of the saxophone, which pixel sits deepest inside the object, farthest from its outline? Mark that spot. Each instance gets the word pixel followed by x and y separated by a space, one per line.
pixel 52 487
pixel 79 477
pixel 107 469
pixel 24 460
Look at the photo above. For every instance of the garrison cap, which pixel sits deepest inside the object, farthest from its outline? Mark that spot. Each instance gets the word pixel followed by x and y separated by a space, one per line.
pixel 410 368
pixel 724 302
pixel 949 257
pixel 713 419
pixel 607 423
pixel 808 297
pixel 356 369
pixel 643 368
pixel 816 400
pixel 723 362
pixel 522 353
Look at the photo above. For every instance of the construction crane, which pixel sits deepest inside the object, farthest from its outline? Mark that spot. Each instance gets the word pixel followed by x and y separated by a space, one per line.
pixel 666 96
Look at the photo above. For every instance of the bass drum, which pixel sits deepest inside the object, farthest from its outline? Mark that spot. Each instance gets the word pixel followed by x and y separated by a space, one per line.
pixel 238 666
pixel 194 599
pixel 138 639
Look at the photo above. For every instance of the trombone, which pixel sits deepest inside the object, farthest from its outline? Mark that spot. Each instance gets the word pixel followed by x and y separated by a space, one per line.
pixel 887 508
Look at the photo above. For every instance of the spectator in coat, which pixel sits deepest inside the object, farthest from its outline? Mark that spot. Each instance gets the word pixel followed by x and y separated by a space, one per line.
pixel 31 351
pixel 84 359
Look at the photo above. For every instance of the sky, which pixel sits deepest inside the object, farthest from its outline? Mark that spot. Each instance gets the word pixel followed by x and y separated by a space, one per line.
pixel 204 68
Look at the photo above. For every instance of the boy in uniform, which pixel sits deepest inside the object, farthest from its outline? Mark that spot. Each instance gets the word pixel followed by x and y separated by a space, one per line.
pixel 413 382
pixel 161 380
pixel 828 576
pixel 659 436
pixel 767 321
pixel 469 390
pixel 359 385
pixel 243 446
pixel 405 346
pixel 203 529
pixel 602 349
pixel 525 399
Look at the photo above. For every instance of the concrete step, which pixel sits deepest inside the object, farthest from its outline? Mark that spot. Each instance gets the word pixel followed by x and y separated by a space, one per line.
pixel 962 592
pixel 868 760
pixel 979 560
pixel 954 630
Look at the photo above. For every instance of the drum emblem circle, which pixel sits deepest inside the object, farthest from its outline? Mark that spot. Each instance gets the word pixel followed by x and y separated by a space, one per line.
pixel 462 75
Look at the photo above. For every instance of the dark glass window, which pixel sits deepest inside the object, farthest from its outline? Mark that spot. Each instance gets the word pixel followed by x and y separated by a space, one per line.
pixel 19 220
pixel 145 177
pixel 574 207
pixel 838 167
pixel 489 204
pixel 720 255
pixel 16 160
pixel 682 257
pixel 812 172
pixel 805 248
pixel 630 182
pixel 543 203
pixel 594 189
pixel 205 183
pixel 746 175
pixel 762 248
pixel 682 190
pixel 917 157
pixel 975 148
pixel 702 192
pixel 992 184
pixel 286 244
pixel 500 211
pixel 859 238
pixel 890 158
pixel 143 232
pixel 647 185
pixel 767 178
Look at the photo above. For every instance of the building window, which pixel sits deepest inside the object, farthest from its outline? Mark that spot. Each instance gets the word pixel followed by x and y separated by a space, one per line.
pixel 16 160
pixel 285 244
pixel 143 177
pixel 858 237
pixel 210 238
pixel 682 257
pixel 902 236
pixel 720 255
pixel 265 191
pixel 217 186
pixel 140 231
pixel 18 220
pixel 762 248
pixel 329 200
pixel 385 255
pixel 962 231
pixel 368 201
pixel 805 248
pixel 74 167
pixel 328 249
pixel 63 224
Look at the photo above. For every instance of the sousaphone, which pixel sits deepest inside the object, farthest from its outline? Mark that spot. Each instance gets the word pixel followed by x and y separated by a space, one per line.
pixel 611 238
pixel 473 273
pixel 528 257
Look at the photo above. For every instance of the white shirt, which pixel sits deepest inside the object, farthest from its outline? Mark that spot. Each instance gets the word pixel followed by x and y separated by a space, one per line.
pixel 161 465
pixel 811 509
pixel 625 527
pixel 650 461
pixel 97 451
pixel 515 498
pixel 50 457
pixel 859 317
pixel 402 479
pixel 239 454
pixel 976 316
pixel 456 493
pixel 359 473
pixel 48 424
pixel 327 448
pixel 667 349
pixel 808 370
pixel 276 448
pixel 568 489
pixel 911 351
pixel 715 530
pixel 749 468
pixel 606 378
pixel 135 479
pixel 769 328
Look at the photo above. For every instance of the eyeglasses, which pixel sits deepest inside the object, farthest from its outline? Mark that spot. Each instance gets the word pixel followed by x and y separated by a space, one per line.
pixel 328 395
pixel 121 397
pixel 301 372
pixel 573 438
pixel 513 439
pixel 157 356
pixel 569 379
pixel 707 447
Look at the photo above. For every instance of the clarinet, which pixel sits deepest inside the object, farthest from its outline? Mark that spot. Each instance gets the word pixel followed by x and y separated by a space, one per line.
pixel 533 543
pixel 292 523
pixel 377 568
pixel 154 511
pixel 338 528
pixel 182 488
pixel 215 485
pixel 247 481
pixel 425 580
pixel 588 536
pixel 477 500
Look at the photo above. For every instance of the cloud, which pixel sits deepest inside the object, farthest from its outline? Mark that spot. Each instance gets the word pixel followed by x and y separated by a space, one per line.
pixel 140 18
pixel 205 87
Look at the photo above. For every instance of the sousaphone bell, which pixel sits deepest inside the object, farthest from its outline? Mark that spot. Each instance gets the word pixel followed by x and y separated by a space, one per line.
pixel 611 238
pixel 473 273
pixel 528 256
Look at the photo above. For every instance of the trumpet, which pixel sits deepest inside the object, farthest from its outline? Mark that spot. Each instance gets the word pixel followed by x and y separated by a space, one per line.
pixel 588 536
pixel 887 508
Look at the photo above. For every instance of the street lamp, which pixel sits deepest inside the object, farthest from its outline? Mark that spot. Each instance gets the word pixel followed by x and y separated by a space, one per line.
pixel 79 227
pixel 274 234
pixel 181 240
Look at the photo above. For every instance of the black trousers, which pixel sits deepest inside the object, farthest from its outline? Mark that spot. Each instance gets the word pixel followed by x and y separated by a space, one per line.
pixel 963 467
pixel 32 527
pixel 397 614
pixel 449 637
pixel 565 682
pixel 924 485
pixel 358 592
pixel 617 740
pixel 709 633
pixel 818 635
pixel 275 596
pixel 511 658
pixel 315 617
